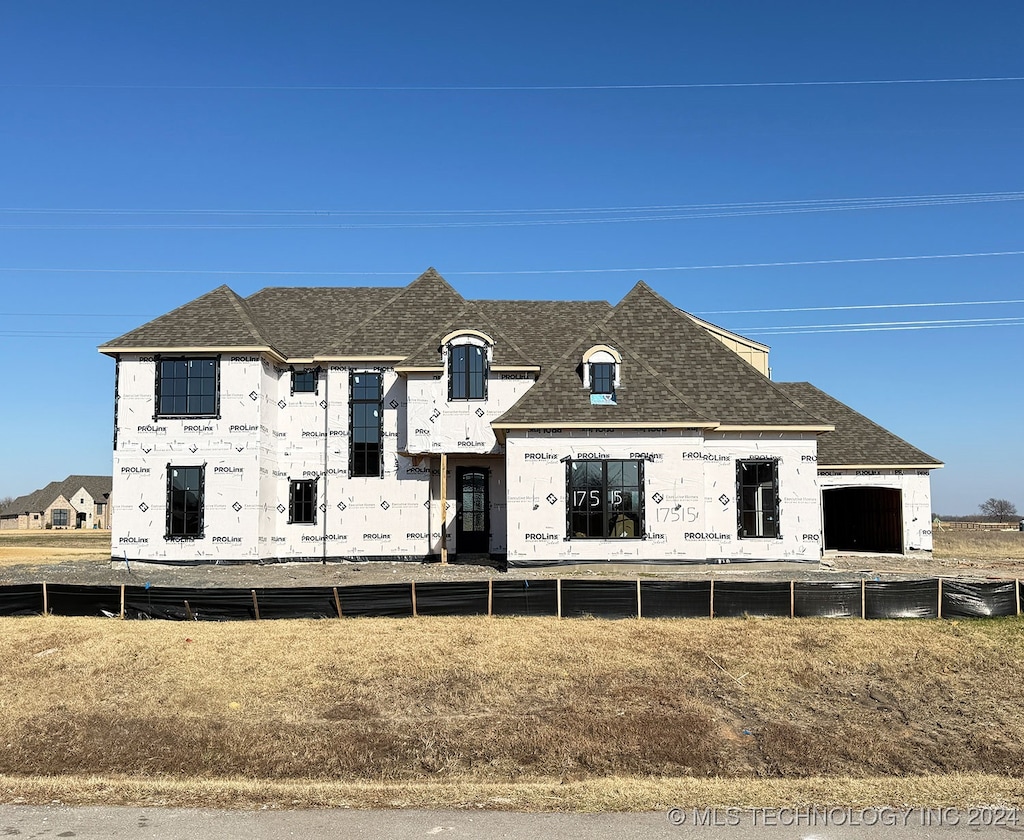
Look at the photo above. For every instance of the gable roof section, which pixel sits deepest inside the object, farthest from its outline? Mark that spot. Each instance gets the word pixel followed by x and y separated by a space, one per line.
pixel 506 352
pixel 217 319
pixel 301 321
pixel 404 321
pixel 857 441
pixel 673 373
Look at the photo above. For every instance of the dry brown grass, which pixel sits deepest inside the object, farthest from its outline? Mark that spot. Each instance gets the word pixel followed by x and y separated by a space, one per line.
pixel 978 545
pixel 18 547
pixel 570 711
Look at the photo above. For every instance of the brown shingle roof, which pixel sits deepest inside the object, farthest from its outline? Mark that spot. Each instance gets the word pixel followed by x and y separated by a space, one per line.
pixel 856 441
pixel 217 319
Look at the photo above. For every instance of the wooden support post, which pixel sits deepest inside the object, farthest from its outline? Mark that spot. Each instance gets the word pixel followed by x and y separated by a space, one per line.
pixel 940 598
pixel 639 605
pixel 863 599
pixel 558 590
pixel 792 599
pixel 337 601
pixel 490 596
pixel 255 604
pixel 122 600
pixel 46 600
pixel 444 509
pixel 712 605
pixel 189 613
pixel 414 613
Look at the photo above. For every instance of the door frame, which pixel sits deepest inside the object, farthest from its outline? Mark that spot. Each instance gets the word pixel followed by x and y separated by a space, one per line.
pixel 460 543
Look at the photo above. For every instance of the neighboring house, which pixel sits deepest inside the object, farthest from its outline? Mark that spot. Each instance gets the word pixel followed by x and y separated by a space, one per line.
pixel 410 423
pixel 79 501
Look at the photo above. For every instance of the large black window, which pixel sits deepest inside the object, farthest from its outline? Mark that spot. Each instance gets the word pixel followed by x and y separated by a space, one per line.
pixel 302 502
pixel 757 486
pixel 59 517
pixel 186 387
pixel 185 502
pixel 366 430
pixel 602 378
pixel 467 374
pixel 304 381
pixel 605 499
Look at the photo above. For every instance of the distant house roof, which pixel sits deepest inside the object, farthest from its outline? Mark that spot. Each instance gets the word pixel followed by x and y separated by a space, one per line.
pixel 97 486
pixel 857 441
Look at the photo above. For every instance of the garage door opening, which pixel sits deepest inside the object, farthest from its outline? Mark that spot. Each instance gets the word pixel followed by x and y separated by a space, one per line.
pixel 863 519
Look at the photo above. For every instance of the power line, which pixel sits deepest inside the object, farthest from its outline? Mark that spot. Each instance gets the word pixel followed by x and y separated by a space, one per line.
pixel 513 88
pixel 859 306
pixel 508 272
pixel 826 203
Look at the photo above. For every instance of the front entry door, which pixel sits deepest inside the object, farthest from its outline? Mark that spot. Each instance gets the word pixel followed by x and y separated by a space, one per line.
pixel 472 521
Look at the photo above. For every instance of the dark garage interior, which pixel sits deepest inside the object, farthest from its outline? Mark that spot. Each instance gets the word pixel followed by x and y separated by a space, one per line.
pixel 863 519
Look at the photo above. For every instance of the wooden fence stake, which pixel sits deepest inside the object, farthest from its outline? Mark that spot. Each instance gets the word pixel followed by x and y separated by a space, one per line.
pixel 188 612
pixel 1016 584
pixel 940 598
pixel 122 600
pixel 863 599
pixel 712 598
pixel 558 588
pixel 337 601
pixel 639 605
pixel 46 600
pixel 255 604
pixel 490 596
pixel 414 613
pixel 792 599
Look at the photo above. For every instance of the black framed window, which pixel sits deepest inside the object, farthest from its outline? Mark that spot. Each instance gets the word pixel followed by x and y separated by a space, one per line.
pixel 185 490
pixel 366 431
pixel 304 381
pixel 59 517
pixel 302 502
pixel 187 387
pixel 605 499
pixel 602 378
pixel 467 372
pixel 757 488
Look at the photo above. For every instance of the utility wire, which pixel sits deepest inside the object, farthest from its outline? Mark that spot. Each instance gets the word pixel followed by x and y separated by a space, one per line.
pixel 509 272
pixel 515 88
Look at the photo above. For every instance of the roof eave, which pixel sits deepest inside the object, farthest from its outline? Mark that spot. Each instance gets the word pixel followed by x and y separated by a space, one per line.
pixel 936 466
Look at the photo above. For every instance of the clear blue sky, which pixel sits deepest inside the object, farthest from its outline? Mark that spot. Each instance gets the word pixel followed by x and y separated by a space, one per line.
pixel 247 107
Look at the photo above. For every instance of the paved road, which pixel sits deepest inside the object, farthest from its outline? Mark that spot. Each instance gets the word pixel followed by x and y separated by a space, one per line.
pixel 21 822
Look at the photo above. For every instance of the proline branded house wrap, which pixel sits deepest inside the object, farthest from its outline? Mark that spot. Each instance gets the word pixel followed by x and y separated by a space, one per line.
pixel 367 423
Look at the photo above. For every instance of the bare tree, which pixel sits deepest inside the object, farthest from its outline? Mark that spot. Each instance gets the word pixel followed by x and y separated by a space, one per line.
pixel 5 501
pixel 1000 509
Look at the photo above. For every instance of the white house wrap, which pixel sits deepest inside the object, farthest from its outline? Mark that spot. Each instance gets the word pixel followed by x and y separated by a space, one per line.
pixel 410 424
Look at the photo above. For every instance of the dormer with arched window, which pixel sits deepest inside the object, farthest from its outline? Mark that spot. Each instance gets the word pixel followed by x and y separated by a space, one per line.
pixel 469 354
pixel 602 373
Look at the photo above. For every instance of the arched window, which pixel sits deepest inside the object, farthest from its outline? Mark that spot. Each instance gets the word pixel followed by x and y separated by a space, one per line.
pixel 469 357
pixel 602 366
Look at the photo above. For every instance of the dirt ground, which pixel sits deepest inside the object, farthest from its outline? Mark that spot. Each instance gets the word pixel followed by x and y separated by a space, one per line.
pixel 83 557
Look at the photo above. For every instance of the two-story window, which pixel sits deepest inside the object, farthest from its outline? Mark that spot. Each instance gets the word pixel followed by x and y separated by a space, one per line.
pixel 185 504
pixel 605 499
pixel 757 505
pixel 366 430
pixel 187 387
pixel 467 377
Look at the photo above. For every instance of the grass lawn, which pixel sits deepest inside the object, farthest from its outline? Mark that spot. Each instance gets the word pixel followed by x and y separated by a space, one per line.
pixel 512 713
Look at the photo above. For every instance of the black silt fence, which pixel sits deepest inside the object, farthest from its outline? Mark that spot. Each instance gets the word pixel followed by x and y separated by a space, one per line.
pixel 568 598
pixel 733 599
pixel 901 599
pixel 839 599
pixel 599 598
pixel 675 598
pixel 525 597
